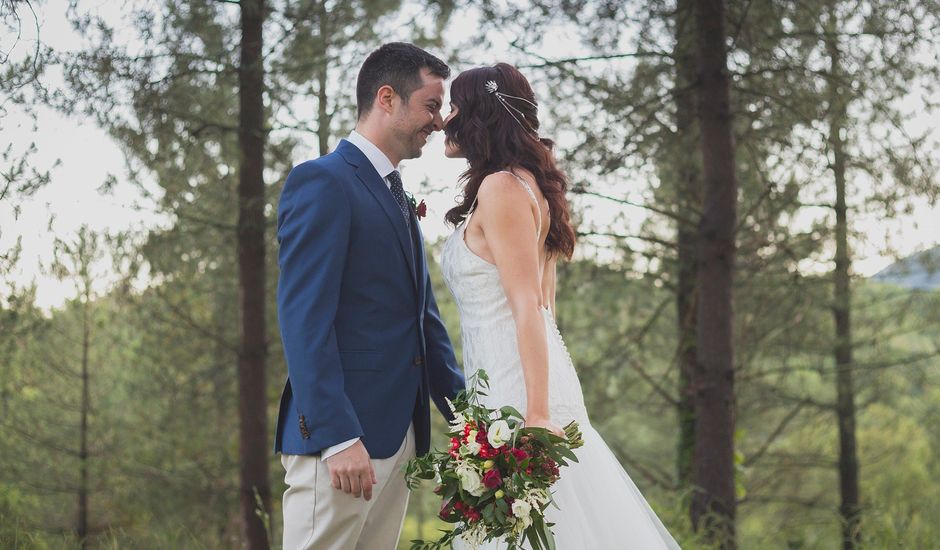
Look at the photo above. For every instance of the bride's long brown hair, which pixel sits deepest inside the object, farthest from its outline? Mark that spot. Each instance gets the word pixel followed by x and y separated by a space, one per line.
pixel 492 140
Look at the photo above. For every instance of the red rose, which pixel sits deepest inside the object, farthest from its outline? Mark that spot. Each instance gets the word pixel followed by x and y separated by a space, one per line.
pixel 472 514
pixel 519 454
pixel 445 509
pixel 422 210
pixel 492 479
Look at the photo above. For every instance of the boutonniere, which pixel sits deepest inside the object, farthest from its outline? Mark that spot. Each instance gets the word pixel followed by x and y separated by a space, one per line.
pixel 420 209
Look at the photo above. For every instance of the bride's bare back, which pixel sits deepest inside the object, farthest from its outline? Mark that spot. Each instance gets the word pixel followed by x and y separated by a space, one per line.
pixel 504 187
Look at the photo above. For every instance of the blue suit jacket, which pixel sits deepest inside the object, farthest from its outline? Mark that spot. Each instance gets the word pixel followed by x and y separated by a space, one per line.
pixel 365 346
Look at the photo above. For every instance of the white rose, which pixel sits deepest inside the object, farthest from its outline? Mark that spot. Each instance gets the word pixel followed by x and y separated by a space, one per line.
pixel 470 480
pixel 521 510
pixel 499 434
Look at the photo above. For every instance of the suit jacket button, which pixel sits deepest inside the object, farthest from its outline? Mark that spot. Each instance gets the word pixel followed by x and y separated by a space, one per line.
pixel 419 361
pixel 304 432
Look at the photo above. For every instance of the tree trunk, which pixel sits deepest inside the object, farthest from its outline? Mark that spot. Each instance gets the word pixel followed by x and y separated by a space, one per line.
pixel 323 114
pixel 845 393
pixel 713 504
pixel 252 394
pixel 688 192
pixel 83 429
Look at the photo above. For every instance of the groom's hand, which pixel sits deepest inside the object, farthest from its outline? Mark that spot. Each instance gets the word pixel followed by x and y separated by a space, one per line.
pixel 351 471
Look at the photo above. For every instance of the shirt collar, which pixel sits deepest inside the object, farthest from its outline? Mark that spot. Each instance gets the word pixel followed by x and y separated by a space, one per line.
pixel 378 159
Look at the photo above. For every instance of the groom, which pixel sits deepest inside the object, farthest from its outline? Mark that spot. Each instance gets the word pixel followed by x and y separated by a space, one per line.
pixel 365 346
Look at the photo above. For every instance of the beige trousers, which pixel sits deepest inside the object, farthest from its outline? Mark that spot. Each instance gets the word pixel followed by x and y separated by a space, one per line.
pixel 319 517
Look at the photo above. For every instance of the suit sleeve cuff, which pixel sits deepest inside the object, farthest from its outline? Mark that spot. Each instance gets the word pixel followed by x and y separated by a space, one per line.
pixel 339 447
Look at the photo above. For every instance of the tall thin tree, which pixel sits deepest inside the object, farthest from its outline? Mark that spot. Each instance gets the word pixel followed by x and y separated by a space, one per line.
pixel 713 504
pixel 849 507
pixel 252 354
pixel 689 198
pixel 73 261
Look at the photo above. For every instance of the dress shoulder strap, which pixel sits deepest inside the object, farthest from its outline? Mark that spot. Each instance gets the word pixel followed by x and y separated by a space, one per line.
pixel 535 199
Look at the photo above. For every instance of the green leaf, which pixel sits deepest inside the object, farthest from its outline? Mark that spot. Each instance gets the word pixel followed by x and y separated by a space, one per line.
pixel 532 535
pixel 511 411
pixel 567 453
pixel 488 511
pixel 549 538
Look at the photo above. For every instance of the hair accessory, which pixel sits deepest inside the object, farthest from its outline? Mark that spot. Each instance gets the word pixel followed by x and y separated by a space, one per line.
pixel 492 88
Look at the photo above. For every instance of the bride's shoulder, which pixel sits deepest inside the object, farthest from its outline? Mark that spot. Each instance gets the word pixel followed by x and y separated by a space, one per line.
pixel 502 189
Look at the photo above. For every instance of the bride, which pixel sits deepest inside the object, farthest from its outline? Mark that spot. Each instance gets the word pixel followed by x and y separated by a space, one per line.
pixel 512 227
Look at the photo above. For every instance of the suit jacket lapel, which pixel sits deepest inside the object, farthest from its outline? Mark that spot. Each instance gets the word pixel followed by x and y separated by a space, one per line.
pixel 422 261
pixel 380 192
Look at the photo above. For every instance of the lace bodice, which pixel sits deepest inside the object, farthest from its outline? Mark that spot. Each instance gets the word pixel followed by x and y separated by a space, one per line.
pixel 489 333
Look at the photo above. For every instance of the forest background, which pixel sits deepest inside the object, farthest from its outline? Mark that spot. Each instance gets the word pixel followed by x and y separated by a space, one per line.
pixel 752 308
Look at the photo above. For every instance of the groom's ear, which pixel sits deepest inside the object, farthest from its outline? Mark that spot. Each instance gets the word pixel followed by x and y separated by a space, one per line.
pixel 385 99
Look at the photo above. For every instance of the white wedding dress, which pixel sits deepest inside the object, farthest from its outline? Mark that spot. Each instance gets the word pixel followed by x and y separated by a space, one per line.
pixel 599 506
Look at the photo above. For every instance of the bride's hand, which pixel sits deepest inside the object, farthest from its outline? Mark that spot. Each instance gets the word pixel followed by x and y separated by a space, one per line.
pixel 543 422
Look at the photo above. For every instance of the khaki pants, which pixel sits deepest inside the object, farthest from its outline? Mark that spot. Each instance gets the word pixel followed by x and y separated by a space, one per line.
pixel 319 517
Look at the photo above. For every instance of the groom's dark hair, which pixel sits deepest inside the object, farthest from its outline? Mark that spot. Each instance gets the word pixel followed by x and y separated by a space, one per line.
pixel 397 64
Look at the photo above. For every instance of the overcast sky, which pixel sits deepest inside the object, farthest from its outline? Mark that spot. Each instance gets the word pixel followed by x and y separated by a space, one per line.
pixel 88 156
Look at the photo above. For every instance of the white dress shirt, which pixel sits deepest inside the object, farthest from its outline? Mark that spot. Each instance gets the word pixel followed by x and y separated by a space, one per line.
pixel 384 167
pixel 378 159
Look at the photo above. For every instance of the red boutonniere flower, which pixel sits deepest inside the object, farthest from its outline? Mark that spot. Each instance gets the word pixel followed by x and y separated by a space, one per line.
pixel 421 209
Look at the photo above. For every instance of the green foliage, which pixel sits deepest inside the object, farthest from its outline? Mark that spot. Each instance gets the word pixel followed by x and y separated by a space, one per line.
pixel 163 425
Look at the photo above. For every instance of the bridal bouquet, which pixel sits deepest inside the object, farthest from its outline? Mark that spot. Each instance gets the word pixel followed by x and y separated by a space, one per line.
pixel 495 478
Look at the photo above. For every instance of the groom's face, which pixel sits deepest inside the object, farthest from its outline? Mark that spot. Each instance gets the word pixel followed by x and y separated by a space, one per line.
pixel 414 121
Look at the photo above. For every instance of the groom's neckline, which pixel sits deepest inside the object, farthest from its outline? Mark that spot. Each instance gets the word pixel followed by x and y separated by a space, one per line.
pixel 373 154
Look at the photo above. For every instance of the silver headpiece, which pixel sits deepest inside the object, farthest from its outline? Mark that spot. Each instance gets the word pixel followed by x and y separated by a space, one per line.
pixel 491 88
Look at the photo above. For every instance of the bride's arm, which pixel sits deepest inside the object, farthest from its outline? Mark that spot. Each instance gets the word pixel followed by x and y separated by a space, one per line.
pixel 511 238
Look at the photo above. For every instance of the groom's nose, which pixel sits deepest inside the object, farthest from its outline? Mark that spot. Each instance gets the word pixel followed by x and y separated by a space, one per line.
pixel 437 122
